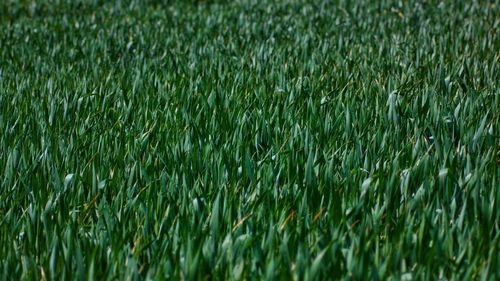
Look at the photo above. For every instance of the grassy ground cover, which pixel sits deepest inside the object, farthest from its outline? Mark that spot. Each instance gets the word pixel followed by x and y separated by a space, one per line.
pixel 249 140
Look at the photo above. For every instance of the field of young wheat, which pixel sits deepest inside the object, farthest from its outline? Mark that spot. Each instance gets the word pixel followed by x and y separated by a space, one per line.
pixel 249 140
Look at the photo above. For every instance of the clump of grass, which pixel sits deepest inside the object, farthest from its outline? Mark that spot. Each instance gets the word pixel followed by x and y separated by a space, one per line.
pixel 302 140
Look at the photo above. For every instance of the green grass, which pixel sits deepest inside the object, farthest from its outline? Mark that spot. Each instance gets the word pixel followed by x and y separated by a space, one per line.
pixel 249 140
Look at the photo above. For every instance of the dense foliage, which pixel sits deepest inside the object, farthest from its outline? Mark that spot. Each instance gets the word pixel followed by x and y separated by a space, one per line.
pixel 249 139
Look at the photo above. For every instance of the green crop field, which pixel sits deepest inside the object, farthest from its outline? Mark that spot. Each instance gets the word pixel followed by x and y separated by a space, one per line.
pixel 249 140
